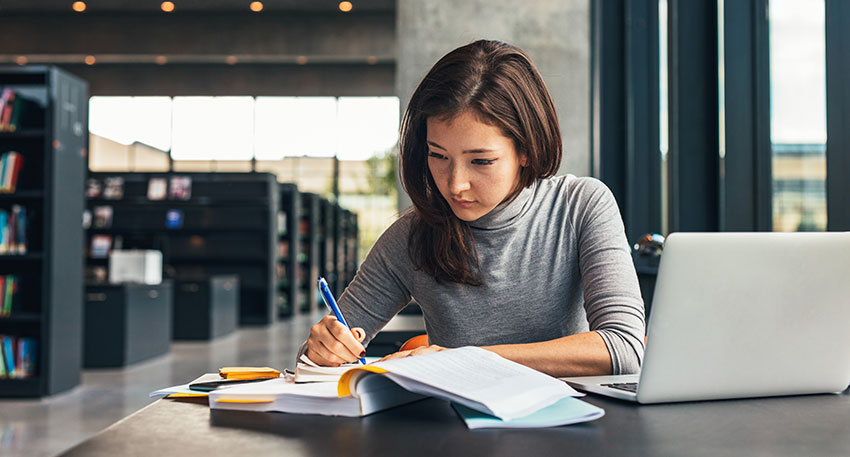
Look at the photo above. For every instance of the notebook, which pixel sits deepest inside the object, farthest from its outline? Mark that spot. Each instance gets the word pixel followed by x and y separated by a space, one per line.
pixel 738 315
pixel 470 376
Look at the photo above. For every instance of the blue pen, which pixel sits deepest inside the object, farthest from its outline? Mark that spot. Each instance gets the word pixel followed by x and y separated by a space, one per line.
pixel 329 300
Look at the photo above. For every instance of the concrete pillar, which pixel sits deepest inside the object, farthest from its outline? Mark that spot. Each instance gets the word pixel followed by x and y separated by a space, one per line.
pixel 555 33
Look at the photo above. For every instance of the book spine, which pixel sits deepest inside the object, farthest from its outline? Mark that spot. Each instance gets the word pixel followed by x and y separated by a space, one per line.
pixel 8 293
pixel 22 230
pixel 5 311
pixel 5 161
pixel 9 354
pixel 3 372
pixel 26 357
pixel 4 231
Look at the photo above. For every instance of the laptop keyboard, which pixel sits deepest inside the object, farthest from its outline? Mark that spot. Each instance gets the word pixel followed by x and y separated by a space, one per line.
pixel 627 386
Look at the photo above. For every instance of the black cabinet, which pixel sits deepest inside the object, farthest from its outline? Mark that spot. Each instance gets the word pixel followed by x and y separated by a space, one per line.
pixel 126 323
pixel 206 309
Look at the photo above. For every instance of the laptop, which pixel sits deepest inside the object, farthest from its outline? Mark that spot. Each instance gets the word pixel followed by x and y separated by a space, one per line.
pixel 738 315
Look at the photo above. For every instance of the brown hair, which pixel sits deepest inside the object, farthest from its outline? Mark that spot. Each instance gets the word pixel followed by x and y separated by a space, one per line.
pixel 501 85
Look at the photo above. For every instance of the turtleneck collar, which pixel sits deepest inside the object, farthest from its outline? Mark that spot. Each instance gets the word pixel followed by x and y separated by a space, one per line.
pixel 506 213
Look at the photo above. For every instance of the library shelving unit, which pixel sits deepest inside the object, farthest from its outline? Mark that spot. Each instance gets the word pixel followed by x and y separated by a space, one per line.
pixel 326 245
pixel 349 247
pixel 308 254
pixel 205 224
pixel 51 134
pixel 288 249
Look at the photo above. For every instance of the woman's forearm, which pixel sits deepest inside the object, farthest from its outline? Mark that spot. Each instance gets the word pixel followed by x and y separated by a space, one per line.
pixel 583 354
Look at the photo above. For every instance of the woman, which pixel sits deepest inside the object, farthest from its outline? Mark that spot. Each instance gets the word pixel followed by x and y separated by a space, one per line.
pixel 497 252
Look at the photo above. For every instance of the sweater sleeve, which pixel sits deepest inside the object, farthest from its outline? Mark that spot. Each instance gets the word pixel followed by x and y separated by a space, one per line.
pixel 612 298
pixel 379 289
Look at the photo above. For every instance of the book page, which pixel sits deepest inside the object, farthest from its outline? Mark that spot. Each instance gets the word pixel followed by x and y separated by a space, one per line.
pixel 476 377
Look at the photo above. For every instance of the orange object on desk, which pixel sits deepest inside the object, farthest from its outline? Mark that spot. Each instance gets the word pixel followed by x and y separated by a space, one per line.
pixel 248 373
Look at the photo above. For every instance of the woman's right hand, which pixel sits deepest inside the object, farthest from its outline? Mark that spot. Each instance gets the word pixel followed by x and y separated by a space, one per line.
pixel 331 343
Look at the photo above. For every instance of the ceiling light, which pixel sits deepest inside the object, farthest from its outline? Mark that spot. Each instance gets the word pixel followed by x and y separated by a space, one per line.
pixel 345 6
pixel 21 60
pixel 90 60
pixel 301 60
pixel 230 60
pixel 78 6
pixel 371 60
pixel 161 60
pixel 167 6
pixel 256 6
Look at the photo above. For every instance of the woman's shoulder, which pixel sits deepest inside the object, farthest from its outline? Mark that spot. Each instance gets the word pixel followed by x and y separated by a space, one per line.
pixel 575 191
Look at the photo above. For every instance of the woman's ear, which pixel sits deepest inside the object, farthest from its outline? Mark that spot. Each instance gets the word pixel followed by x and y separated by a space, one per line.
pixel 523 160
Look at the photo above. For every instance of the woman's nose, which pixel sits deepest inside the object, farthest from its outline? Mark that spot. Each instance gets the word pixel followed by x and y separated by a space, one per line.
pixel 458 180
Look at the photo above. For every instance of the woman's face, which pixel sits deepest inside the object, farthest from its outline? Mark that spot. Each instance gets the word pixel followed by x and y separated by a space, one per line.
pixel 474 165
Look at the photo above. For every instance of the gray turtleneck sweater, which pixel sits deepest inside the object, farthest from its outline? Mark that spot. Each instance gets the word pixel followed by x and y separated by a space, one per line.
pixel 555 262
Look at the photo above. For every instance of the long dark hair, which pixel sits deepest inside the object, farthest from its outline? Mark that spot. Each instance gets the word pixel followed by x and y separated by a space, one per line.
pixel 501 85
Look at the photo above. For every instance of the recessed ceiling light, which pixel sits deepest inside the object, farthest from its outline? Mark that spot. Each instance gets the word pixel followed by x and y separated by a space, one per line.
pixel 167 6
pixel 161 60
pixel 256 6
pixel 90 60
pixel 230 60
pixel 301 60
pixel 78 6
pixel 371 60
pixel 21 60
pixel 345 6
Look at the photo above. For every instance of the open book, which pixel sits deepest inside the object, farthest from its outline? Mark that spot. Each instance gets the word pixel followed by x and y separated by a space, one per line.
pixel 469 376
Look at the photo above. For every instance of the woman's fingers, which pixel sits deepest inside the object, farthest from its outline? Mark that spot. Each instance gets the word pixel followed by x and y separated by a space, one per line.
pixel 331 343
pixel 418 351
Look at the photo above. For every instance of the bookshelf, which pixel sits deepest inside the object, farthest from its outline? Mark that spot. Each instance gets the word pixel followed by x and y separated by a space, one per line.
pixel 308 259
pixel 349 247
pixel 48 127
pixel 288 249
pixel 214 224
pixel 326 245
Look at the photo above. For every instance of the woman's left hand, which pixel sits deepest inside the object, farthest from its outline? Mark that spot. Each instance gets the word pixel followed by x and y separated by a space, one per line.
pixel 418 351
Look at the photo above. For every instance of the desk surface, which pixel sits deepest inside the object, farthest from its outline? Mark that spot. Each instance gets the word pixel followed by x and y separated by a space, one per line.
pixel 794 426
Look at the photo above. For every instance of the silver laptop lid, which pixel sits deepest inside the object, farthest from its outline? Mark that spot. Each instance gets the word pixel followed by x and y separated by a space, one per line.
pixel 749 314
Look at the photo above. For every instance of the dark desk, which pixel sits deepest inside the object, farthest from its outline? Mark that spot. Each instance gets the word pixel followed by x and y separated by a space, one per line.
pixel 793 426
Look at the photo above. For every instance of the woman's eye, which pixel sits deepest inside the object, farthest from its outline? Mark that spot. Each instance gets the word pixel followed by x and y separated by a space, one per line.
pixel 483 161
pixel 435 155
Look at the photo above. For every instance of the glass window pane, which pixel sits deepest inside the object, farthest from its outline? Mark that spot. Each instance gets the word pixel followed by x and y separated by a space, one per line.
pixel 213 128
pixel 368 126
pixel 798 114
pixel 295 127
pixel 128 120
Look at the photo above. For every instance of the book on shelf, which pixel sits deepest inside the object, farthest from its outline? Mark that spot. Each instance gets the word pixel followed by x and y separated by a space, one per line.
pixel 180 188
pixel 281 223
pixel 17 357
pixel 87 217
pixel 96 274
pixel 470 376
pixel 11 163
pixel 94 188
pixel 174 219
pixel 13 231
pixel 100 246
pixel 9 287
pixel 113 188
pixel 157 188
pixel 102 217
pixel 17 111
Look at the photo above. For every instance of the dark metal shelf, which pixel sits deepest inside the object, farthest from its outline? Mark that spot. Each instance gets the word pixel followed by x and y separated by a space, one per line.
pixel 22 257
pixel 21 318
pixel 24 133
pixel 22 195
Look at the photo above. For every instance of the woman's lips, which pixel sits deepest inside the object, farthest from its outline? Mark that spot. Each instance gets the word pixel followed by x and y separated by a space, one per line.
pixel 463 203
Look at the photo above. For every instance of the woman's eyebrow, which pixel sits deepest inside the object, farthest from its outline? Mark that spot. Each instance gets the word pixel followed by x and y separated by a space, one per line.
pixel 468 151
